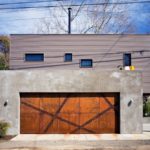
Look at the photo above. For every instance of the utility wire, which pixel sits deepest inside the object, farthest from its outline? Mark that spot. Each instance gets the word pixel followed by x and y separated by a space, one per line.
pixel 75 5
pixel 73 63
pixel 89 11
pixel 30 19
pixel 18 3
pixel 18 19
pixel 111 48
pixel 102 3
pixel 111 55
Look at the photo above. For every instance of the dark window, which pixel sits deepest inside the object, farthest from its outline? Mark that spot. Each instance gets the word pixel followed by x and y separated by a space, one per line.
pixel 68 57
pixel 34 57
pixel 126 59
pixel 146 104
pixel 86 63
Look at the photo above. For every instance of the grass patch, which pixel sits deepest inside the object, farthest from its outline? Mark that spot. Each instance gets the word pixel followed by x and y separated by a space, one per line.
pixel 4 126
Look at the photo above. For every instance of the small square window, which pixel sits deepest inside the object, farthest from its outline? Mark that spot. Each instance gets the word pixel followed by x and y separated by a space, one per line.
pixel 68 57
pixel 34 57
pixel 86 63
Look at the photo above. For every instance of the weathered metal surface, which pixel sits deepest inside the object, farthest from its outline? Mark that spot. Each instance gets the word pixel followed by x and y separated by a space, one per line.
pixel 72 113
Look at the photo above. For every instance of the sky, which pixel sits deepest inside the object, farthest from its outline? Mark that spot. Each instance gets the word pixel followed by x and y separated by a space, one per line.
pixel 22 21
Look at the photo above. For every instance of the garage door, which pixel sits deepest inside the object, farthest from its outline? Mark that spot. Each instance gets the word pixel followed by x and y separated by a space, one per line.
pixel 73 113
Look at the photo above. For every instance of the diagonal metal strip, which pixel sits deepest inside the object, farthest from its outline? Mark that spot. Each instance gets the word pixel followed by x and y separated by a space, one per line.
pixel 56 114
pixel 90 120
pixel 50 114
pixel 108 102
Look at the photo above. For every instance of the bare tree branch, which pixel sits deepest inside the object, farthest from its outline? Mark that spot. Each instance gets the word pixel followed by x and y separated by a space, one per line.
pixel 87 19
pixel 79 10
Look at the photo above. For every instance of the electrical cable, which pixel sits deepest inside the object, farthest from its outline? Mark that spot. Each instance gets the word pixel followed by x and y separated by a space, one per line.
pixel 75 5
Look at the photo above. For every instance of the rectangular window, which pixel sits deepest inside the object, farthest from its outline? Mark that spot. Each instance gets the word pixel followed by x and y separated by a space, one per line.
pixel 126 59
pixel 146 104
pixel 86 63
pixel 34 57
pixel 68 57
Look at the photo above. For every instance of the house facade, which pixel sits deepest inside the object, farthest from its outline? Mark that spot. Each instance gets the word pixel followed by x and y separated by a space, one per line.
pixel 104 52
pixel 60 84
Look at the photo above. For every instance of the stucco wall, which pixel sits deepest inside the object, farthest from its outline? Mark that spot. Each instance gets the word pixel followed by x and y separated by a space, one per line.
pixel 127 83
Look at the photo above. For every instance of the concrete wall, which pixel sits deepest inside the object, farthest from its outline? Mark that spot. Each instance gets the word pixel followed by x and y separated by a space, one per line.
pixel 127 83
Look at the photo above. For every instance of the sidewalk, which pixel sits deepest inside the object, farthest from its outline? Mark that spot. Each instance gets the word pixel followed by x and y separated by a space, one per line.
pixel 81 137
pixel 78 142
pixel 146 127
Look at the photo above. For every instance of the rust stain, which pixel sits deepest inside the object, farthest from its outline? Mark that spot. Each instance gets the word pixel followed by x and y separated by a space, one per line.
pixel 66 135
pixel 96 105
pixel 114 136
pixel 97 136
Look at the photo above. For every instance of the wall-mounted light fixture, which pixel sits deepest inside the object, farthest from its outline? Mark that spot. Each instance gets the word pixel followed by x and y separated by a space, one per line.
pixel 120 67
pixel 5 103
pixel 130 102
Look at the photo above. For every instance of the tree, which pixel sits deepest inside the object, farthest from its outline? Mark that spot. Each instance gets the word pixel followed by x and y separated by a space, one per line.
pixel 97 19
pixel 2 63
pixel 4 52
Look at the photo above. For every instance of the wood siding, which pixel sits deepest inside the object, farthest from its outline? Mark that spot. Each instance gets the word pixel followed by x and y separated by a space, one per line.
pixel 105 50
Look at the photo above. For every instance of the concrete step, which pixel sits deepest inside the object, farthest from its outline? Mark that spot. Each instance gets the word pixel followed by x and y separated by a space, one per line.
pixel 119 148
pixel 76 145
pixel 77 142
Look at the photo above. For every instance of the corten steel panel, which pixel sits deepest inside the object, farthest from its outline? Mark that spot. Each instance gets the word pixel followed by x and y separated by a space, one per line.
pixel 72 113
pixel 105 50
pixel 30 117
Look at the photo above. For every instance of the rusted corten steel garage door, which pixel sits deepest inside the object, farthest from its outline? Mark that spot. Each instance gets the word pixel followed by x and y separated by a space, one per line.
pixel 74 113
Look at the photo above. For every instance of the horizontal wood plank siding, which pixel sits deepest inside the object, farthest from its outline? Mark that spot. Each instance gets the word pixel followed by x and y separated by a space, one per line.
pixel 105 50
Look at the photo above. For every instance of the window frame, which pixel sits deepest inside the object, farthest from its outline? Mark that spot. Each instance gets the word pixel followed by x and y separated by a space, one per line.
pixel 25 55
pixel 86 60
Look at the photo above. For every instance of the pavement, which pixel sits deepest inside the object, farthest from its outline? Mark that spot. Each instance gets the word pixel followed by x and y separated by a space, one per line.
pixel 80 137
pixel 146 127
pixel 77 142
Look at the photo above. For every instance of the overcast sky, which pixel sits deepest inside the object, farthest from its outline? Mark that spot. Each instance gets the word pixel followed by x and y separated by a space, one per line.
pixel 25 20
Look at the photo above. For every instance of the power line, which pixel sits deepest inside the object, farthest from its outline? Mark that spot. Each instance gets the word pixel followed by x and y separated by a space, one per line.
pixel 18 19
pixel 97 54
pixel 76 5
pixel 18 3
pixel 73 63
pixel 114 3
pixel 115 12
pixel 30 18
pixel 92 11
pixel 110 49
